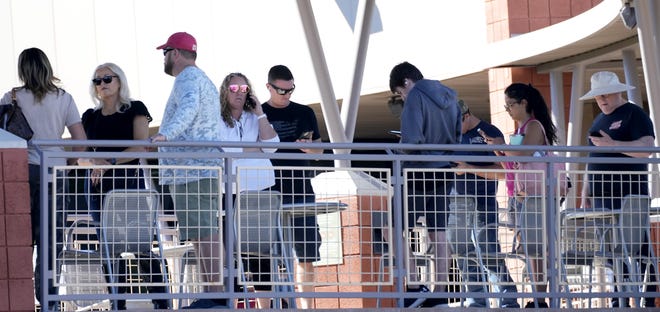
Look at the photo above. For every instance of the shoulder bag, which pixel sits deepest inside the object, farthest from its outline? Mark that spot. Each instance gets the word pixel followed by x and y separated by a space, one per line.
pixel 13 120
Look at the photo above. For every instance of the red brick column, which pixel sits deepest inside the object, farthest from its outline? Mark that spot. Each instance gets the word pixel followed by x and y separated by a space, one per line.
pixel 357 243
pixel 16 285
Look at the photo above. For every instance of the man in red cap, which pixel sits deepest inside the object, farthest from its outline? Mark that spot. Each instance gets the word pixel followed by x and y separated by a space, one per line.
pixel 191 114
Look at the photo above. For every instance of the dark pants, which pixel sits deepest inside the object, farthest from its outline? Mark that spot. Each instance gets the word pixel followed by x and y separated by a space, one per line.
pixel 149 270
pixel 462 239
pixel 112 179
pixel 34 178
pixel 614 202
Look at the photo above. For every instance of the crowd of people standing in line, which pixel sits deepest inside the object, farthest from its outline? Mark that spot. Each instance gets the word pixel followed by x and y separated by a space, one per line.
pixel 198 111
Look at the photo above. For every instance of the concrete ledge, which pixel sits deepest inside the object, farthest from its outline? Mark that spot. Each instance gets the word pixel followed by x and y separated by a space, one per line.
pixel 8 140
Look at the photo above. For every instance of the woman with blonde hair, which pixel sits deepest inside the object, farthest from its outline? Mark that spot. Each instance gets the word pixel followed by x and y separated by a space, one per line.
pixel 115 117
pixel 118 117
pixel 244 121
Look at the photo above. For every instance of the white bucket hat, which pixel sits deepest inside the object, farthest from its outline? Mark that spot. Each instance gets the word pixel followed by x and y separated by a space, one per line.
pixel 605 82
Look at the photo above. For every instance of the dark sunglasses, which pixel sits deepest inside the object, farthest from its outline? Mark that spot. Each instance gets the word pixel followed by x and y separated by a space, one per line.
pixel 281 91
pixel 234 88
pixel 166 50
pixel 106 79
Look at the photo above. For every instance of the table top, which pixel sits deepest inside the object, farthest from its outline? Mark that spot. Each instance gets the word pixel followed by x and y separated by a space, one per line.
pixel 315 208
pixel 581 213
pixel 578 213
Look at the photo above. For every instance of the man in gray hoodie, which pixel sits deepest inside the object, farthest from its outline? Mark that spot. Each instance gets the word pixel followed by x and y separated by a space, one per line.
pixel 430 116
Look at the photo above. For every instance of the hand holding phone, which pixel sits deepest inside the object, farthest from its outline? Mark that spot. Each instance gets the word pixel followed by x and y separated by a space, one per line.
pixel 249 102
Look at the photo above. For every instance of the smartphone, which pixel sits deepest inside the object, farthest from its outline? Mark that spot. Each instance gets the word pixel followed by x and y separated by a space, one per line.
pixel 249 102
pixel 595 134
pixel 306 135
pixel 394 132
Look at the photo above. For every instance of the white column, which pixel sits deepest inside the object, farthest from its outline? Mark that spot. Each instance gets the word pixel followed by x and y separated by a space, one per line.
pixel 328 99
pixel 557 104
pixel 630 71
pixel 351 102
pixel 574 136
pixel 647 13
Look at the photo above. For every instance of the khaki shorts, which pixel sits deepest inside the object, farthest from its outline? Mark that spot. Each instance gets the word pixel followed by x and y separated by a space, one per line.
pixel 197 207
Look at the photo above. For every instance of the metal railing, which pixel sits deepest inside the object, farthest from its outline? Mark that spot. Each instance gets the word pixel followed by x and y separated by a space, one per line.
pixel 374 220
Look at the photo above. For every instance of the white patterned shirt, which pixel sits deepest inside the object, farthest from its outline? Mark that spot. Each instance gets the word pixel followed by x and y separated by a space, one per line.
pixel 192 113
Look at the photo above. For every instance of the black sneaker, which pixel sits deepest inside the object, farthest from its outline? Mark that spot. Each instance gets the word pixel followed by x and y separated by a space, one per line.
pixel 511 305
pixel 207 304
pixel 434 302
pixel 531 305
pixel 161 304
pixel 415 302
pixel 649 302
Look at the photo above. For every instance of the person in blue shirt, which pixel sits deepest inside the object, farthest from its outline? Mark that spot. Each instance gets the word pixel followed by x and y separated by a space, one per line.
pixel 483 186
pixel 620 123
pixel 430 115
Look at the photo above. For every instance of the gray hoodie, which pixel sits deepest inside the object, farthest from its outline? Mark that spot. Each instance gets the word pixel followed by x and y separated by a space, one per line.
pixel 430 116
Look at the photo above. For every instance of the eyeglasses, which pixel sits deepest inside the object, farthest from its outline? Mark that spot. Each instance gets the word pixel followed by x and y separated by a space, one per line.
pixel 281 91
pixel 166 50
pixel 507 106
pixel 234 88
pixel 106 79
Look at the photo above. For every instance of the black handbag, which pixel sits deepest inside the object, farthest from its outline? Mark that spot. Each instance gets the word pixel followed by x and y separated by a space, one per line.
pixel 13 120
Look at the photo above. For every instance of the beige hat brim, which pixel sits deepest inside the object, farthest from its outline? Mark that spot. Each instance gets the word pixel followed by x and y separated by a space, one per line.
pixel 606 90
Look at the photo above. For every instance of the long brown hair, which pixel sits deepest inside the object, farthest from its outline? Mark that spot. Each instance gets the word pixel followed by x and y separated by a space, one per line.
pixel 36 73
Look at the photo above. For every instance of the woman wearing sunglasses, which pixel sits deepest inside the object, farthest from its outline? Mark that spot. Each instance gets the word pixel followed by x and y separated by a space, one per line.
pixel 244 121
pixel 116 117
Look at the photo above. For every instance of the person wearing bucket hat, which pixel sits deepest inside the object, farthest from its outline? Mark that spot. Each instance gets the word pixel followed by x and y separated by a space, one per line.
pixel 191 114
pixel 605 82
pixel 620 123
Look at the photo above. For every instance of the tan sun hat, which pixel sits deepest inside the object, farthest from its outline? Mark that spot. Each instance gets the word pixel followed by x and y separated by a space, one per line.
pixel 605 82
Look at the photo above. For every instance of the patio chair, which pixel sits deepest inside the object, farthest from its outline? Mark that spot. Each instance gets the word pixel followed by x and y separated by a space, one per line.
pixel 127 233
pixel 472 246
pixel 260 235
pixel 631 234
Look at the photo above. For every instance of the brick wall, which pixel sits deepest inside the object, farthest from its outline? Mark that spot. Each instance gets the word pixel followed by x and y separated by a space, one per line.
pixel 16 285
pixel 507 18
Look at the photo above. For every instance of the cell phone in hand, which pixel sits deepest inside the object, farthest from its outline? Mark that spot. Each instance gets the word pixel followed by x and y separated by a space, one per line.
pixel 307 135
pixel 596 134
pixel 249 102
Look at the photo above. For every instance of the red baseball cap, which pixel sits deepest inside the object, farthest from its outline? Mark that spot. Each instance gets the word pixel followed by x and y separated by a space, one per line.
pixel 180 40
